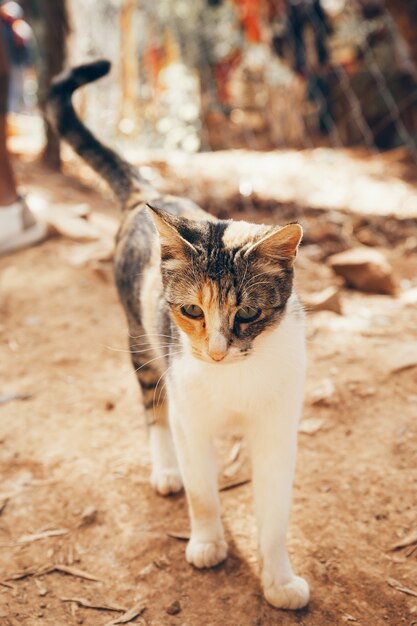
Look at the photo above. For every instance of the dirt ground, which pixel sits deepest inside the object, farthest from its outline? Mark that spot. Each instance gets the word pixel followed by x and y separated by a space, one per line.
pixel 74 458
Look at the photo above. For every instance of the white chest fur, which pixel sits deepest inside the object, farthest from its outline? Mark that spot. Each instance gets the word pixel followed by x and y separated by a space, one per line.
pixel 249 387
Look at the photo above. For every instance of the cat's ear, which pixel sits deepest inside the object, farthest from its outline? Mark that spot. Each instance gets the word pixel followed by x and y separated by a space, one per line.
pixel 171 230
pixel 279 245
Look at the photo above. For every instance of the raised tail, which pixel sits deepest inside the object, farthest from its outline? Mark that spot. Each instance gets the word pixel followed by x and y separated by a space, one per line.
pixel 122 177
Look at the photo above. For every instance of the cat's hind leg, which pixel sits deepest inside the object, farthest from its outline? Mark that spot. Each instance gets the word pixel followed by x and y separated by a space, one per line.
pixel 165 475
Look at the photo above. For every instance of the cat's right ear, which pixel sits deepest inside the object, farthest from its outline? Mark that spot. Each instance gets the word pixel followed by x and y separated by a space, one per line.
pixel 169 227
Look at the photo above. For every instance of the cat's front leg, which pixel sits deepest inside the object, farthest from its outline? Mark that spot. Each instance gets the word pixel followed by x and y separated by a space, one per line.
pixel 207 546
pixel 273 450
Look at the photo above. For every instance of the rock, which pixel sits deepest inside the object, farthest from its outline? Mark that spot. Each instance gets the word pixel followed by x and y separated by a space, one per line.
pixel 324 394
pixel 88 516
pixel 174 608
pixel 310 425
pixel 364 269
pixel 404 357
pixel 326 300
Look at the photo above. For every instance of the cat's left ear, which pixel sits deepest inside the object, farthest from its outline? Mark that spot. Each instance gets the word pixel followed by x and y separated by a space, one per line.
pixel 172 232
pixel 279 245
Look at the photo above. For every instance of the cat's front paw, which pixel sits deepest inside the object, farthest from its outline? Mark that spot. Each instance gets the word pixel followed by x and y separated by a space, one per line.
pixel 294 594
pixel 166 481
pixel 206 554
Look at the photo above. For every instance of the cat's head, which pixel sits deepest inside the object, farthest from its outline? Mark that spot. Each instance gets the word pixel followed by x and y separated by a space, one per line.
pixel 226 282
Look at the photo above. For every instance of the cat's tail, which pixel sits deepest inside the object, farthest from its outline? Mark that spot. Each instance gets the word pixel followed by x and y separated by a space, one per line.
pixel 126 182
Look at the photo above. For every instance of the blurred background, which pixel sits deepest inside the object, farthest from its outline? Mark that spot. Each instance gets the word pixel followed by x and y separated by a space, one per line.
pixel 221 74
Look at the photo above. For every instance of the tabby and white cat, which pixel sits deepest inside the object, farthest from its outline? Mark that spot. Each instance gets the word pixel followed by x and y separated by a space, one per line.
pixel 213 316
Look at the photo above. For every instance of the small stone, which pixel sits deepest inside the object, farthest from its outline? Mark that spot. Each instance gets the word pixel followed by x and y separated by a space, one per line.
pixel 324 393
pixel 148 569
pixel 310 425
pixel 174 608
pixel 364 269
pixel 89 515
pixel 326 300
pixel 367 392
pixel 42 590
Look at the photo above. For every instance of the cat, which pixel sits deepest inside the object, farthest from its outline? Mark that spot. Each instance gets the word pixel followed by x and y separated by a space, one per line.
pixel 213 317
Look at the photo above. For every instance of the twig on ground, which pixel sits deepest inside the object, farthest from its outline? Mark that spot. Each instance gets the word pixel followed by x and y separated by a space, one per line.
pixel 129 616
pixel 399 587
pixel 408 540
pixel 74 571
pixel 234 482
pixel 98 607
pixel 181 535
pixel 58 532
pixel 58 567
pixel 7 585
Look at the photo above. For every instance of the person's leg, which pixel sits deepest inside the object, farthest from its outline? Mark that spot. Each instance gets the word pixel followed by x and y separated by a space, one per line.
pixel 8 192
pixel 18 226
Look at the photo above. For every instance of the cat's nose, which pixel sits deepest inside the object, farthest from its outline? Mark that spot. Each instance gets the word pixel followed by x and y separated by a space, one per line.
pixel 217 347
pixel 217 356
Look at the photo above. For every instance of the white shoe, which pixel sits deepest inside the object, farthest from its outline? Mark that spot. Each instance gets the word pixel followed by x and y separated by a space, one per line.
pixel 19 228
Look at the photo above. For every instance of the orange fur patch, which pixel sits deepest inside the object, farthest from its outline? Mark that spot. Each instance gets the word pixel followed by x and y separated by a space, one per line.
pixel 198 330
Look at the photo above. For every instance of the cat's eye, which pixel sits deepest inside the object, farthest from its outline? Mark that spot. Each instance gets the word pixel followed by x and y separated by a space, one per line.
pixel 247 314
pixel 192 310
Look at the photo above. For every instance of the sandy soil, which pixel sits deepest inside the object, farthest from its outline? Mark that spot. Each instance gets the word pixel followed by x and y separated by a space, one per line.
pixel 73 458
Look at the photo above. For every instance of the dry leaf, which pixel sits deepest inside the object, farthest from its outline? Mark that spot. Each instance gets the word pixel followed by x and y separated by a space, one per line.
pixel 234 482
pixel 399 587
pixel 98 607
pixel 129 616
pixel 234 452
pixel 232 469
pixel 181 535
pixel 58 532
pixel 408 540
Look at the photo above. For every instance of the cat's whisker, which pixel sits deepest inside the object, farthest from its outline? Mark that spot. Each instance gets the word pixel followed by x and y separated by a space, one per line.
pixel 148 335
pixel 162 356
pixel 147 349
pixel 161 389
